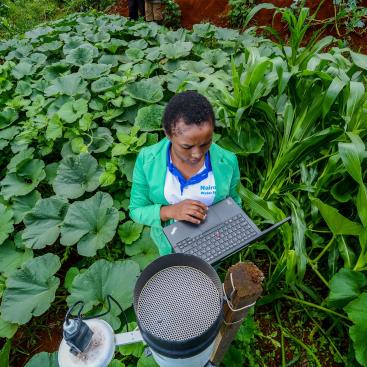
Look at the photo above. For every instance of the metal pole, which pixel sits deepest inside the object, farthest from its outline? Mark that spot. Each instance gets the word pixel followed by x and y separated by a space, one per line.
pixel 242 287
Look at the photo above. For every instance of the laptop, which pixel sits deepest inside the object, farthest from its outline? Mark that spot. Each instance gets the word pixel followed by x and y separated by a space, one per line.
pixel 226 230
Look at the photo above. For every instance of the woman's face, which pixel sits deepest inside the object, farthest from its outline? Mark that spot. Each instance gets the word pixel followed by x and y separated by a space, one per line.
pixel 191 142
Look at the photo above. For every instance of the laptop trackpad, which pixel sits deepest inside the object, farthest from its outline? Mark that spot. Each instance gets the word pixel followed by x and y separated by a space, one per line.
pixel 210 221
pixel 181 230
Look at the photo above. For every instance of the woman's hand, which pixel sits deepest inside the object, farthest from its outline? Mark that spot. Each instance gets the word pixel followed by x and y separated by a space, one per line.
pixel 190 210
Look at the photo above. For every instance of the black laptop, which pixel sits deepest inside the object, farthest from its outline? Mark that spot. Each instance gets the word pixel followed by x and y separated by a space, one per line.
pixel 226 230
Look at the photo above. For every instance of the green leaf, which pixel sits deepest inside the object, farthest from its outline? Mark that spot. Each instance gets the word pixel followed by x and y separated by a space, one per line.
pixel 359 59
pixel 149 118
pixel 90 223
pixel 179 79
pixel 43 359
pixel 102 84
pixel 73 110
pixel 101 140
pixel 104 278
pixel 25 180
pixel 30 291
pixel 356 94
pixel 350 156
pixel 22 69
pixel 147 90
pixel 7 330
pixel 107 179
pixel 11 258
pixel 4 354
pixel 23 88
pixel 54 128
pixel 335 87
pixel 356 311
pixel 19 158
pixel 94 71
pixel 7 117
pixel 6 222
pixel 80 56
pixel 147 362
pixel 134 54
pixel 69 277
pixel 71 85
pixel 217 58
pixel 126 164
pixel 144 250
pixel 43 222
pixel 135 349
pixel 116 363
pixel 346 252
pixel 130 232
pixel 337 223
pixel 345 286
pixel 362 204
pixel 76 175
pixel 176 50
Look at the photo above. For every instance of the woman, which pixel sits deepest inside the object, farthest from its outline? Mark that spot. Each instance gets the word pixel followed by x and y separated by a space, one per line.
pixel 184 173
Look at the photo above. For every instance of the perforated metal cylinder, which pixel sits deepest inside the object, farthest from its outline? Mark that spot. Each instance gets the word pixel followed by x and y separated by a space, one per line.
pixel 178 304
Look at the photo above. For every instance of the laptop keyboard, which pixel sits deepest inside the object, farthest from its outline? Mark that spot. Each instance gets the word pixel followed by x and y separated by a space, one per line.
pixel 212 245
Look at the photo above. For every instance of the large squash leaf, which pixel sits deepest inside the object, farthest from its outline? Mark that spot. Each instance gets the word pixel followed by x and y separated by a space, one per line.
pixel 144 250
pixel 30 291
pixel 70 85
pixel 106 278
pixel 7 330
pixel 11 258
pixel 91 223
pixel 43 359
pixel 94 71
pixel 176 50
pixel 6 222
pixel 76 175
pixel 7 117
pixel 23 204
pixel 80 56
pixel 43 222
pixel 130 232
pixel 150 118
pixel 356 311
pixel 25 180
pixel 345 286
pixel 146 90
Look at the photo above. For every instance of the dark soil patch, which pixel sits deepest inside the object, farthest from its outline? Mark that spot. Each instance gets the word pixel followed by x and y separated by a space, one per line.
pixel 41 334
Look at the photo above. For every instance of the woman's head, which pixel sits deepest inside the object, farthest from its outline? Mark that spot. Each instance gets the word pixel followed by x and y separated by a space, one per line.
pixel 188 122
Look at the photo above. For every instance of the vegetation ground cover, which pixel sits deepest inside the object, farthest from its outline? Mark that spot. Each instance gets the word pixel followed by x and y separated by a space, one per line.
pixel 82 95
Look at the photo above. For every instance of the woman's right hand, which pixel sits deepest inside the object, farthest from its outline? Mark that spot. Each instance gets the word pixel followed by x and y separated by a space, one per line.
pixel 189 210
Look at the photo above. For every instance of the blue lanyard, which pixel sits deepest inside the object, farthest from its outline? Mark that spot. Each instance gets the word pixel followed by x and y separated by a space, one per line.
pixel 192 180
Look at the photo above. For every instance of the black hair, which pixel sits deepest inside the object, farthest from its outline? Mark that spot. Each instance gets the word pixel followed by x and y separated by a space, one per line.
pixel 190 107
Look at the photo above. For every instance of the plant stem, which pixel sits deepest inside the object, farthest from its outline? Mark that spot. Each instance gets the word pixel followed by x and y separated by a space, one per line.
pixel 336 22
pixel 314 268
pixel 323 251
pixel 281 336
pixel 324 333
pixel 316 306
pixel 303 345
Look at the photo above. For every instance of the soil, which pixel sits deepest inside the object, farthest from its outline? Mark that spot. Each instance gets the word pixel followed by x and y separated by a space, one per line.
pixel 215 11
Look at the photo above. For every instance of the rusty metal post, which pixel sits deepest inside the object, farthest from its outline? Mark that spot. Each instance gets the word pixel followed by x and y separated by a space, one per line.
pixel 242 287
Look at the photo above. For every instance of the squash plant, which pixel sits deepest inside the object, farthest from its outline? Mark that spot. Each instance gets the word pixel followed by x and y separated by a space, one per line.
pixel 82 95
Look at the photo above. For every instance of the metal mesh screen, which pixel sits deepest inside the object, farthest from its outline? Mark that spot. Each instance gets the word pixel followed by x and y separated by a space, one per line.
pixel 178 303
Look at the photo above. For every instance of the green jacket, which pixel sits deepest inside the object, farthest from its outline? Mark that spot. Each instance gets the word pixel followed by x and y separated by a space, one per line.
pixel 147 193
